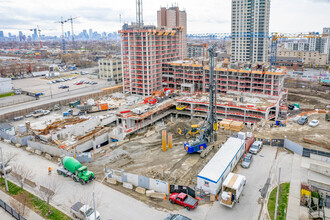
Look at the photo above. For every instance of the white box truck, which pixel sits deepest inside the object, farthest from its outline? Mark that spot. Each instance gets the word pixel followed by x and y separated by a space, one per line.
pixel 232 189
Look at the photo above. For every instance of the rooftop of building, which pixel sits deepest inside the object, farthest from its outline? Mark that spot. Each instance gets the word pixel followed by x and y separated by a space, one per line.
pixel 256 68
pixel 133 27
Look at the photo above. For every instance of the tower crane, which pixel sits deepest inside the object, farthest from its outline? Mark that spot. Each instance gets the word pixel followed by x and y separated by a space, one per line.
pixel 72 34
pixel 63 40
pixel 210 125
pixel 39 35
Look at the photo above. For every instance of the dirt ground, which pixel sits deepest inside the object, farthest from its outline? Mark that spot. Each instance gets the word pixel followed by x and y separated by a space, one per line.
pixel 144 156
pixel 295 132
pixel 309 98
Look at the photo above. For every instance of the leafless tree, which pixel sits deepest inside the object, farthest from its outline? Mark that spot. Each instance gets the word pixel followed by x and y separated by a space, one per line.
pixel 7 157
pixel 19 203
pixel 48 190
pixel 20 173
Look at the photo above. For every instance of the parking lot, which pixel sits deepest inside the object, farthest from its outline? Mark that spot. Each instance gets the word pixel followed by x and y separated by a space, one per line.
pixel 40 85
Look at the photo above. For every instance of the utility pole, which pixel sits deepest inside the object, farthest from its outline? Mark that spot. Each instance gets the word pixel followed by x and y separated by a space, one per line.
pixel 4 169
pixel 94 205
pixel 278 192
pixel 51 93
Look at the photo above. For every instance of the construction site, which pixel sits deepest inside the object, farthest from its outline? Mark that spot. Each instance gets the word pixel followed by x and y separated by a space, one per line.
pixel 124 131
pixel 174 124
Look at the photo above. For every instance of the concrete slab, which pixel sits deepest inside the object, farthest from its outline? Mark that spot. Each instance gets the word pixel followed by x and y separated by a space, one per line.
pixel 148 192
pixel 128 185
pixel 112 181
pixel 140 190
pixel 158 195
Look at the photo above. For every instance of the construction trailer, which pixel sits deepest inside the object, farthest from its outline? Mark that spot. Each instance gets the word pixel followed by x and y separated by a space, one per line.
pixel 211 177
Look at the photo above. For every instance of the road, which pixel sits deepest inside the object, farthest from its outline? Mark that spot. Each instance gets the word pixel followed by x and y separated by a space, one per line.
pixel 57 97
pixel 110 203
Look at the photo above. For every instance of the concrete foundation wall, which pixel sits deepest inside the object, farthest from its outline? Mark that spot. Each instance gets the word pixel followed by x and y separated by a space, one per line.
pixel 52 150
pixel 139 181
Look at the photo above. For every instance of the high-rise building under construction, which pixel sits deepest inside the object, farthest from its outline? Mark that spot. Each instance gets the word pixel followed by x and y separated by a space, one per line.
pixel 144 50
pixel 250 28
pixel 174 17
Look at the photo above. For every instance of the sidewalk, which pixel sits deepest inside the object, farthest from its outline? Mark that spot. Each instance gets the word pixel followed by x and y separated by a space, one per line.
pixel 295 211
pixel 29 213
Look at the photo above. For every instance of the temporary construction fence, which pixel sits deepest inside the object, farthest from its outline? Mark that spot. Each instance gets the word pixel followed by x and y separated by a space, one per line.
pixel 138 181
pixel 298 149
pixel 11 211
pixel 16 139
pixel 185 189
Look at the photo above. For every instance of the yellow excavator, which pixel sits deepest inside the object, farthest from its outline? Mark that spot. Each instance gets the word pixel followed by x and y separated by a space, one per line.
pixel 192 132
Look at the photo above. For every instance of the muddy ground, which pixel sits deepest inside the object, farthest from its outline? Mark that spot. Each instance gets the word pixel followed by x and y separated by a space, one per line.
pixel 144 156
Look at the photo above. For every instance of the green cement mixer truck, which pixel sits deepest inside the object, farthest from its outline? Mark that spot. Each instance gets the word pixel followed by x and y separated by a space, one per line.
pixel 73 168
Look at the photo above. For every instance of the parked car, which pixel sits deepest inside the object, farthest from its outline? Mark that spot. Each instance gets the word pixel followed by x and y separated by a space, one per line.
pixel 46 112
pixel 78 83
pixel 183 200
pixel 63 87
pixel 28 116
pixel 247 160
pixel 18 118
pixel 256 147
pixel 176 217
pixel 303 120
pixel 314 123
pixel 84 212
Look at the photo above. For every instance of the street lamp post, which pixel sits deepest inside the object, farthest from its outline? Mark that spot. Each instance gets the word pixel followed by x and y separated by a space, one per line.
pixel 51 93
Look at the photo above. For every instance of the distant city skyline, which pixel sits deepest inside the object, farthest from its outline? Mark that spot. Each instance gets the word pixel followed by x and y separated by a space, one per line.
pixel 212 16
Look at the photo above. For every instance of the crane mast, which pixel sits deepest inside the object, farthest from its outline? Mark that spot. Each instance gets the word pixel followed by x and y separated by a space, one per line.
pixel 206 135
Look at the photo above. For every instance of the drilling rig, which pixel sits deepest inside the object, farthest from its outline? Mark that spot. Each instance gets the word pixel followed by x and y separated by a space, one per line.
pixel 207 131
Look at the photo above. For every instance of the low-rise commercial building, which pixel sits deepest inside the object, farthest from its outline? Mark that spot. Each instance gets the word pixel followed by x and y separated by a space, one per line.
pixel 310 58
pixel 290 63
pixel 110 69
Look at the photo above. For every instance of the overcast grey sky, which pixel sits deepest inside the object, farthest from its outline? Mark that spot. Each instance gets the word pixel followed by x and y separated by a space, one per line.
pixel 204 16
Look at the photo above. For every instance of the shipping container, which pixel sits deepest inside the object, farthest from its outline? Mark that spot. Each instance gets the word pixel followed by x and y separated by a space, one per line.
pixel 103 106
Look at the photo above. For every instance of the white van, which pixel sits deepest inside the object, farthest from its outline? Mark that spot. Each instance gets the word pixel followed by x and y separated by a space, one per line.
pixel 232 189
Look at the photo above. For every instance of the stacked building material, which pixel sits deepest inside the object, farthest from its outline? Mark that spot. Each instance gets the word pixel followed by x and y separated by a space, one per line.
pixel 226 124
pixel 236 126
